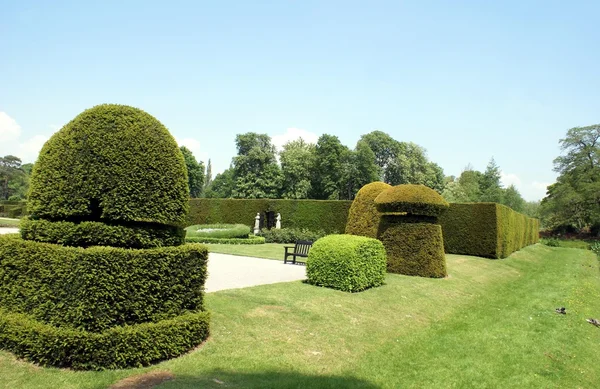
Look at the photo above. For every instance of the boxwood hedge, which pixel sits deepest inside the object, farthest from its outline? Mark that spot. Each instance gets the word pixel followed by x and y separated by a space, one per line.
pixel 346 262
pixel 363 217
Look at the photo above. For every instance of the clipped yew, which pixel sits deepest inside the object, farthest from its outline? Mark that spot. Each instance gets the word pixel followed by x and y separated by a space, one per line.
pixel 409 230
pixel 363 217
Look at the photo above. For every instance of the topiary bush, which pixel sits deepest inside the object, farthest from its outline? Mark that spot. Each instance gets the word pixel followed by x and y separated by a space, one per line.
pixel 346 262
pixel 290 235
pixel 222 231
pixel 409 231
pixel 115 177
pixel 363 217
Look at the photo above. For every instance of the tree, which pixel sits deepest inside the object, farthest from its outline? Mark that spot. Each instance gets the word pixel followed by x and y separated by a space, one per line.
pixel 360 169
pixel 10 171
pixel 255 170
pixel 328 172
pixel 386 150
pixel 513 199
pixel 574 200
pixel 195 172
pixel 489 184
pixel 208 178
pixel 297 159
pixel 469 181
pixel 222 186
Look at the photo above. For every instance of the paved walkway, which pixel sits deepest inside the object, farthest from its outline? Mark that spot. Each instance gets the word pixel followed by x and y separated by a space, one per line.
pixel 232 271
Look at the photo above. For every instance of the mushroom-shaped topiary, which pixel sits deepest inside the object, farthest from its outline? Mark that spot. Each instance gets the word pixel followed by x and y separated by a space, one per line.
pixel 112 183
pixel 409 231
pixel 363 217
pixel 411 199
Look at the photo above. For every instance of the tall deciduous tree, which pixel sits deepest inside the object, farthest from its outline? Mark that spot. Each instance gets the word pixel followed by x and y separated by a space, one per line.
pixel 297 160
pixel 10 171
pixel 255 170
pixel 222 186
pixel 195 171
pixel 512 198
pixel 328 173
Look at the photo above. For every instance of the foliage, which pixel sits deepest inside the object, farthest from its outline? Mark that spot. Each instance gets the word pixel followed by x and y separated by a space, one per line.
pixel 222 186
pixel 363 217
pixel 346 262
pixel 489 185
pixel 240 231
pixel 115 348
pixel 256 174
pixel 99 287
pixel 291 235
pixel 249 240
pixel 552 242
pixel 14 178
pixel 330 157
pixel 330 216
pixel 112 162
pixel 195 172
pixel 13 209
pixel 412 199
pixel 84 234
pixel 297 163
pixel 486 229
pixel 512 199
pixel 415 249
pixel 208 177
pixel 595 247
pixel 359 170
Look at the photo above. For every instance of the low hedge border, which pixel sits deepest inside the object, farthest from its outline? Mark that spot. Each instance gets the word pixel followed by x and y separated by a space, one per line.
pixel 91 233
pixel 97 288
pixel 220 231
pixel 116 348
pixel 249 240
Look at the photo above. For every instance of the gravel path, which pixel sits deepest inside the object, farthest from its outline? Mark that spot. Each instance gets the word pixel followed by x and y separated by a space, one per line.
pixel 232 271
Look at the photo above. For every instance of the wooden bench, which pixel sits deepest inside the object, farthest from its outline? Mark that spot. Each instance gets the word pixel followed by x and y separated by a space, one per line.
pixel 300 250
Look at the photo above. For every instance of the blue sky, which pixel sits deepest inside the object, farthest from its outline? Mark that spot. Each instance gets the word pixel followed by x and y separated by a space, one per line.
pixel 465 80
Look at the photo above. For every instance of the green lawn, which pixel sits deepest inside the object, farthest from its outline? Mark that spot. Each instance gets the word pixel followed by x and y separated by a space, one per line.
pixel 6 222
pixel 490 324
pixel 267 250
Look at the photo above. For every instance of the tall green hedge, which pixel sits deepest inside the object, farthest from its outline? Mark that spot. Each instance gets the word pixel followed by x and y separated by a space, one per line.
pixel 363 218
pixel 330 216
pixel 488 230
pixel 97 288
pixel 112 162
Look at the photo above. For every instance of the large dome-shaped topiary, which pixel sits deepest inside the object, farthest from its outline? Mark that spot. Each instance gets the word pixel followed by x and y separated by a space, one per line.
pixel 110 163
pixel 363 217
pixel 411 199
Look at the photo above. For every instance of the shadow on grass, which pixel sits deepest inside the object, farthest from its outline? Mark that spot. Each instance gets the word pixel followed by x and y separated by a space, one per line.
pixel 268 379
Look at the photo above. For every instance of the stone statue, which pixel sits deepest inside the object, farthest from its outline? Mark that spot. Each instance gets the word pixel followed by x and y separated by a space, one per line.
pixel 257 224
pixel 278 221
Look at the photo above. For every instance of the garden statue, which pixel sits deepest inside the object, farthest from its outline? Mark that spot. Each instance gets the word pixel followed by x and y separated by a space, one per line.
pixel 257 224
pixel 278 221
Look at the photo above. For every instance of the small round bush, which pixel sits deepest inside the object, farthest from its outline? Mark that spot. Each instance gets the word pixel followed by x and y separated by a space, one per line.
pixel 363 217
pixel 220 231
pixel 411 199
pixel 110 163
pixel 346 262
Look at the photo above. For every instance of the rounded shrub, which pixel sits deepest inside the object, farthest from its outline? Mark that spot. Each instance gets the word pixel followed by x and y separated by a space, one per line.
pixel 411 199
pixel 110 163
pixel 219 231
pixel 363 217
pixel 346 262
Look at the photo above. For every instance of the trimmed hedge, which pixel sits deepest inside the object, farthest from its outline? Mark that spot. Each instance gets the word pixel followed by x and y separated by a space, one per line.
pixel 112 162
pixel 327 215
pixel 86 234
pixel 13 209
pixel 97 288
pixel 116 348
pixel 363 217
pixel 412 199
pixel 291 235
pixel 346 262
pixel 488 230
pixel 415 249
pixel 251 239
pixel 220 231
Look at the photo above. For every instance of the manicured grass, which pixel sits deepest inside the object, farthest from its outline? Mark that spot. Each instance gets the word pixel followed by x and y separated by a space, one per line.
pixel 490 324
pixel 6 222
pixel 267 250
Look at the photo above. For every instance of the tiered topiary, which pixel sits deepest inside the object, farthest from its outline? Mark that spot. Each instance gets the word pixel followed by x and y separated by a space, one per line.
pixel 409 231
pixel 363 218
pixel 112 177
pixel 346 262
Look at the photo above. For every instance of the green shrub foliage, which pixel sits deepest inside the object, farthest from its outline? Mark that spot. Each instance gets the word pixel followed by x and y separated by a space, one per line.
pixel 412 199
pixel 486 230
pixel 112 162
pixel 364 218
pixel 346 262
pixel 115 348
pixel 415 249
pixel 249 240
pixel 85 234
pixel 239 231
pixel 326 215
pixel 98 288
pixel 291 235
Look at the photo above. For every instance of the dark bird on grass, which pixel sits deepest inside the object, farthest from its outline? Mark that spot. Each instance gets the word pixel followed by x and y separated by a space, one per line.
pixel 561 310
pixel 594 322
